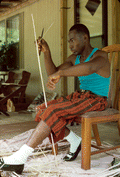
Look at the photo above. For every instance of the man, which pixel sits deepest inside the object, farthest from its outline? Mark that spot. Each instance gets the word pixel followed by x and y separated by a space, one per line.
pixel 93 70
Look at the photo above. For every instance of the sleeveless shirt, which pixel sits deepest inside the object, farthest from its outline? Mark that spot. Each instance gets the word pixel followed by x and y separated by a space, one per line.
pixel 93 82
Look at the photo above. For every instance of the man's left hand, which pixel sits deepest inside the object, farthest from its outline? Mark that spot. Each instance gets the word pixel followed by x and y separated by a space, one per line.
pixel 52 80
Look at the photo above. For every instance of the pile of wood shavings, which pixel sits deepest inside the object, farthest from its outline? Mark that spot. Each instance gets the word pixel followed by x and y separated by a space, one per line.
pixel 44 164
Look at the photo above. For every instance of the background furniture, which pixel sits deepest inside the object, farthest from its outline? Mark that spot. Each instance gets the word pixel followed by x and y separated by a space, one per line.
pixel 14 88
pixel 3 74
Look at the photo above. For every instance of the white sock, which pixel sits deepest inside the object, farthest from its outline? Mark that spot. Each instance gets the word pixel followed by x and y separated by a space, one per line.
pixel 74 141
pixel 19 157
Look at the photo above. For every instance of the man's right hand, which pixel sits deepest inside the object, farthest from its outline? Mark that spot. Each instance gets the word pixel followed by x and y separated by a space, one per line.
pixel 42 45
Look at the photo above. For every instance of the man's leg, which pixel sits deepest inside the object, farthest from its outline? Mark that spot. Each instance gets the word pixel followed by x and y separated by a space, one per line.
pixel 16 161
pixel 41 132
pixel 75 145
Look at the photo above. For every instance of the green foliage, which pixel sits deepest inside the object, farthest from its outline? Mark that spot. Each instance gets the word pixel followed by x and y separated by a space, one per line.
pixel 8 53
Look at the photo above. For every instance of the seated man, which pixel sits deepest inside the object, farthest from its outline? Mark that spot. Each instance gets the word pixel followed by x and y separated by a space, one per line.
pixel 92 67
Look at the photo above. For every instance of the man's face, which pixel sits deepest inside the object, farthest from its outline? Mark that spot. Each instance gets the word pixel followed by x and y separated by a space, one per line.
pixel 76 42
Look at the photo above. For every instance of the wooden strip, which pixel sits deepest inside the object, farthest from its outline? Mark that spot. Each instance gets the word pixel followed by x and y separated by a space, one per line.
pixel 33 154
pixel 97 147
pixel 104 150
pixel 39 64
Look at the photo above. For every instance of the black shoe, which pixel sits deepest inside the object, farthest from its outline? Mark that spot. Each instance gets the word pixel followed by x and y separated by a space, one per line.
pixel 73 155
pixel 16 168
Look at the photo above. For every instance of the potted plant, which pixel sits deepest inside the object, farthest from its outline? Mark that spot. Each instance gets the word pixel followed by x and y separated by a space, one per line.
pixel 8 54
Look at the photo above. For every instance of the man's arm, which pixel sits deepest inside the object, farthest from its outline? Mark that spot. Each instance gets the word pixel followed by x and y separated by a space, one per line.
pixel 84 69
pixel 49 64
pixel 98 64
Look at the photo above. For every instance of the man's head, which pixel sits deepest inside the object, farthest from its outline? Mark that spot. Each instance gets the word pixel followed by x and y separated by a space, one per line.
pixel 79 37
pixel 81 29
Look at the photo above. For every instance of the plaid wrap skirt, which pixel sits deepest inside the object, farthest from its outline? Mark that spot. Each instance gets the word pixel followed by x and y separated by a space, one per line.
pixel 65 110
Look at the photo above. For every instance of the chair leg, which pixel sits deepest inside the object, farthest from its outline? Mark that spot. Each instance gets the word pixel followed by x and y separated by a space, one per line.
pixel 96 134
pixel 86 143
pixel 4 112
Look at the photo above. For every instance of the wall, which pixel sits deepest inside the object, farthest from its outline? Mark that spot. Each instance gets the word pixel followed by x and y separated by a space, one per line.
pixel 45 13
pixel 70 22
pixel 114 22
pixel 93 22
pixel 110 22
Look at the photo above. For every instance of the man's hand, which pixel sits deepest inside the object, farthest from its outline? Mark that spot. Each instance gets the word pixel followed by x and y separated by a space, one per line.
pixel 52 80
pixel 42 45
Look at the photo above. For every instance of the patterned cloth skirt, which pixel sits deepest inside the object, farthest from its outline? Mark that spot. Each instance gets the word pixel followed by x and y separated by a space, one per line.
pixel 65 110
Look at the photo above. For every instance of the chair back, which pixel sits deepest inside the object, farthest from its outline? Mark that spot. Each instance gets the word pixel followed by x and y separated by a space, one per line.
pixel 25 77
pixel 18 78
pixel 10 77
pixel 113 55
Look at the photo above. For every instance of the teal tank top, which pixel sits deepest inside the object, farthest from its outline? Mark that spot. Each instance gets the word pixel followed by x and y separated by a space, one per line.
pixel 93 82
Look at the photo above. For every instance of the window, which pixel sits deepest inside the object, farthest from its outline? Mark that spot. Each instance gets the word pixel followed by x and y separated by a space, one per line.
pixel 2 32
pixel 10 34
pixel 13 29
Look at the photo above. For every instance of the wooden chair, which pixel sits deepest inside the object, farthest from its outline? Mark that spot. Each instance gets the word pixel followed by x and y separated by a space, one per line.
pixel 14 88
pixel 91 119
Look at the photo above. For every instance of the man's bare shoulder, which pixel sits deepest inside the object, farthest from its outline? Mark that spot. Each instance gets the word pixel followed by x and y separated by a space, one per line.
pixel 100 53
pixel 101 63
pixel 71 59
